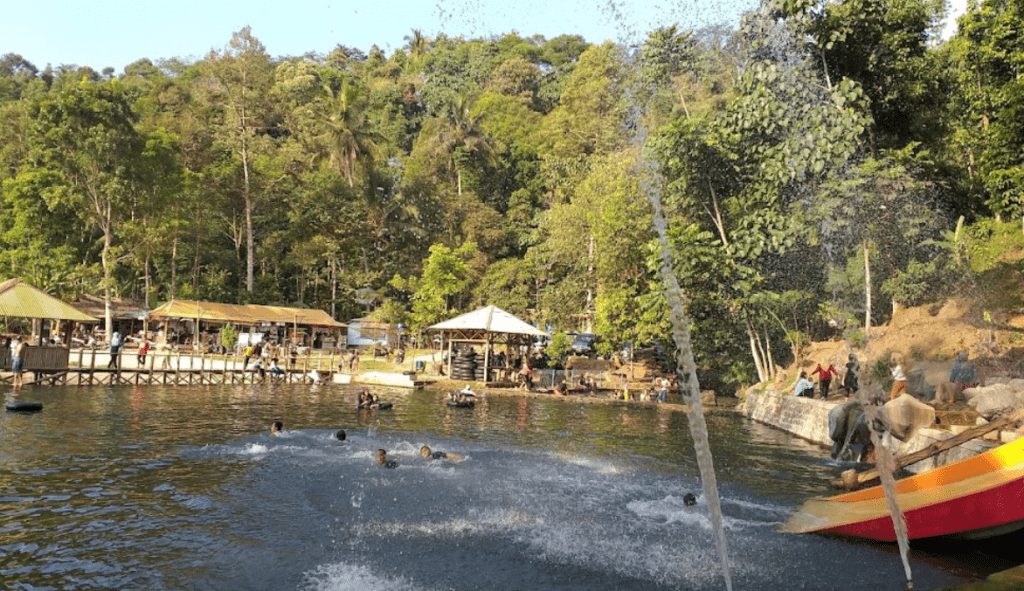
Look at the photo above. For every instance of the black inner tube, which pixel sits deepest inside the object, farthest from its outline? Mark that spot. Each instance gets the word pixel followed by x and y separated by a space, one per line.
pixel 24 406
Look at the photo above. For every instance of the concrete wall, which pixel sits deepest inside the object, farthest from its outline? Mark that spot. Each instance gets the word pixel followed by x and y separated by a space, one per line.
pixel 808 418
pixel 803 417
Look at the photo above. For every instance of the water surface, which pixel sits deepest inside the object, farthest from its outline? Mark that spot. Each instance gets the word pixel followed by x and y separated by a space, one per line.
pixel 158 487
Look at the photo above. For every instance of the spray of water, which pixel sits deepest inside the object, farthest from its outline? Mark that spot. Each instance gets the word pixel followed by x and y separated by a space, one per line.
pixel 687 369
pixel 885 465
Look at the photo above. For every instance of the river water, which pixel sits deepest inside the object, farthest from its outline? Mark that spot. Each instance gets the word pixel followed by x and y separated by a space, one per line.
pixel 182 488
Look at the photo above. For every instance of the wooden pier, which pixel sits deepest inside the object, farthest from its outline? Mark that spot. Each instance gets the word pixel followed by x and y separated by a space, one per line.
pixel 87 368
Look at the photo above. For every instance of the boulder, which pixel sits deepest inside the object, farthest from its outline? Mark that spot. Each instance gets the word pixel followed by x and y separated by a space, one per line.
pixel 993 401
pixel 906 415
pixel 707 398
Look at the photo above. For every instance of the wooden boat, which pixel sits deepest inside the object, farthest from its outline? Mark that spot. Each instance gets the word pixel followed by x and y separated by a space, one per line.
pixel 976 498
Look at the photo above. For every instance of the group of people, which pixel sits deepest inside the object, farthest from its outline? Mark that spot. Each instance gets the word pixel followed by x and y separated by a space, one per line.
pixel 963 375
pixel 382 459
pixel 381 455
pixel 371 401
pixel 350 361
pixel 851 384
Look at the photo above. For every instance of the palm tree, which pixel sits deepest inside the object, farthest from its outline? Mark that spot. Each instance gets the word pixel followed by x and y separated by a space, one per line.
pixel 457 136
pixel 348 137
pixel 416 43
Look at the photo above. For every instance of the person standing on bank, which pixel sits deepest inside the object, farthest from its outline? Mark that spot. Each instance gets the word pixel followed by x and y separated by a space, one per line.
pixel 899 376
pixel 115 351
pixel 850 383
pixel 825 378
pixel 18 346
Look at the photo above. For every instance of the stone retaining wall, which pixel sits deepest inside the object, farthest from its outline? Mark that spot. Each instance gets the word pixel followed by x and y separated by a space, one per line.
pixel 808 418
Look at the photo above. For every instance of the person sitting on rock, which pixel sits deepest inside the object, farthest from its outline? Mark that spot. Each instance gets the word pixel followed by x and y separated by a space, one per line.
pixel 963 375
pixel 440 455
pixel 804 387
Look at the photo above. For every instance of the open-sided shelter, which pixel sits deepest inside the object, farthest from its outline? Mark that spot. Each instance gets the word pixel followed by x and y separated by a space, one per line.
pixel 127 316
pixel 184 319
pixel 486 327
pixel 21 300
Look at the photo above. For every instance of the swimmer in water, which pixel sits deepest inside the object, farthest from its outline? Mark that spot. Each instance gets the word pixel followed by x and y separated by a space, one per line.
pixel 689 500
pixel 275 428
pixel 440 455
pixel 382 459
pixel 340 435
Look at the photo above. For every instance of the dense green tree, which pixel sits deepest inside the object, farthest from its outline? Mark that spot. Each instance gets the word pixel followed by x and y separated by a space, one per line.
pixel 237 82
pixel 84 137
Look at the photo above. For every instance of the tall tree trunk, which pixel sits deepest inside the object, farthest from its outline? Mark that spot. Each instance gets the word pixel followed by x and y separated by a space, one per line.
pixel 768 353
pixel 145 319
pixel 248 218
pixel 867 289
pixel 758 362
pixel 108 322
pixel 174 265
pixel 334 288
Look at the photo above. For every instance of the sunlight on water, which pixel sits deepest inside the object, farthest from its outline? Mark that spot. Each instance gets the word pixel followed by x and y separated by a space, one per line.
pixel 348 577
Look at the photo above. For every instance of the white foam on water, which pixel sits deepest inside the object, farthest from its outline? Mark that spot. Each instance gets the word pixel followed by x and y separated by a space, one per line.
pixel 350 577
pixel 671 509
pixel 762 508
pixel 592 545
pixel 495 520
pixel 255 449
pixel 599 465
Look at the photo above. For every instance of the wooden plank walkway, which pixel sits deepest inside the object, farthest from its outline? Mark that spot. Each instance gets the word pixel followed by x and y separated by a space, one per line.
pixel 173 377
pixel 173 368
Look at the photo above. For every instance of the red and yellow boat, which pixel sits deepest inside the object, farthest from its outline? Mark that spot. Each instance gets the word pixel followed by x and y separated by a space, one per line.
pixel 976 498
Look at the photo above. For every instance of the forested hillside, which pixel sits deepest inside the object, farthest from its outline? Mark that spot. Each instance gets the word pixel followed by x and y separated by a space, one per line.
pixel 813 163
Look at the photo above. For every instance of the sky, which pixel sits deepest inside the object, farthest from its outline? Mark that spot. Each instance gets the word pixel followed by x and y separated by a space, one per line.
pixel 115 33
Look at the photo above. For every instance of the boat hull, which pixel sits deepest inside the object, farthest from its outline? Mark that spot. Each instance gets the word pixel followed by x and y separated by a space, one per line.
pixel 979 497
pixel 984 514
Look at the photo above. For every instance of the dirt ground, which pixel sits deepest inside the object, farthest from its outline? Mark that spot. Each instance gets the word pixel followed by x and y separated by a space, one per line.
pixel 929 338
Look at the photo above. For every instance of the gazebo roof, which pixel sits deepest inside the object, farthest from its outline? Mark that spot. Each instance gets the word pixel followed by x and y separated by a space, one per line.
pixel 489 319
pixel 20 300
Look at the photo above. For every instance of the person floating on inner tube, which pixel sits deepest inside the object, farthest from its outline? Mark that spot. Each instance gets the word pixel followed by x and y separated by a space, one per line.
pixel 440 455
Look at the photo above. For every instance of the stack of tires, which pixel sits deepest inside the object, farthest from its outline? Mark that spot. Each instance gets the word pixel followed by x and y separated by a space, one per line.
pixel 464 365
pixel 481 371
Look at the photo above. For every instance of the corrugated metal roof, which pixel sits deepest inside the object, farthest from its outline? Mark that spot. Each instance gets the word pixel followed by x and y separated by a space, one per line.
pixel 490 319
pixel 243 314
pixel 20 300
pixel 119 307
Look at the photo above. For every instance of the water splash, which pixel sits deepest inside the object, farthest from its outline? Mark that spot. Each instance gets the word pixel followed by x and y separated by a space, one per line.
pixel 886 466
pixel 687 368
